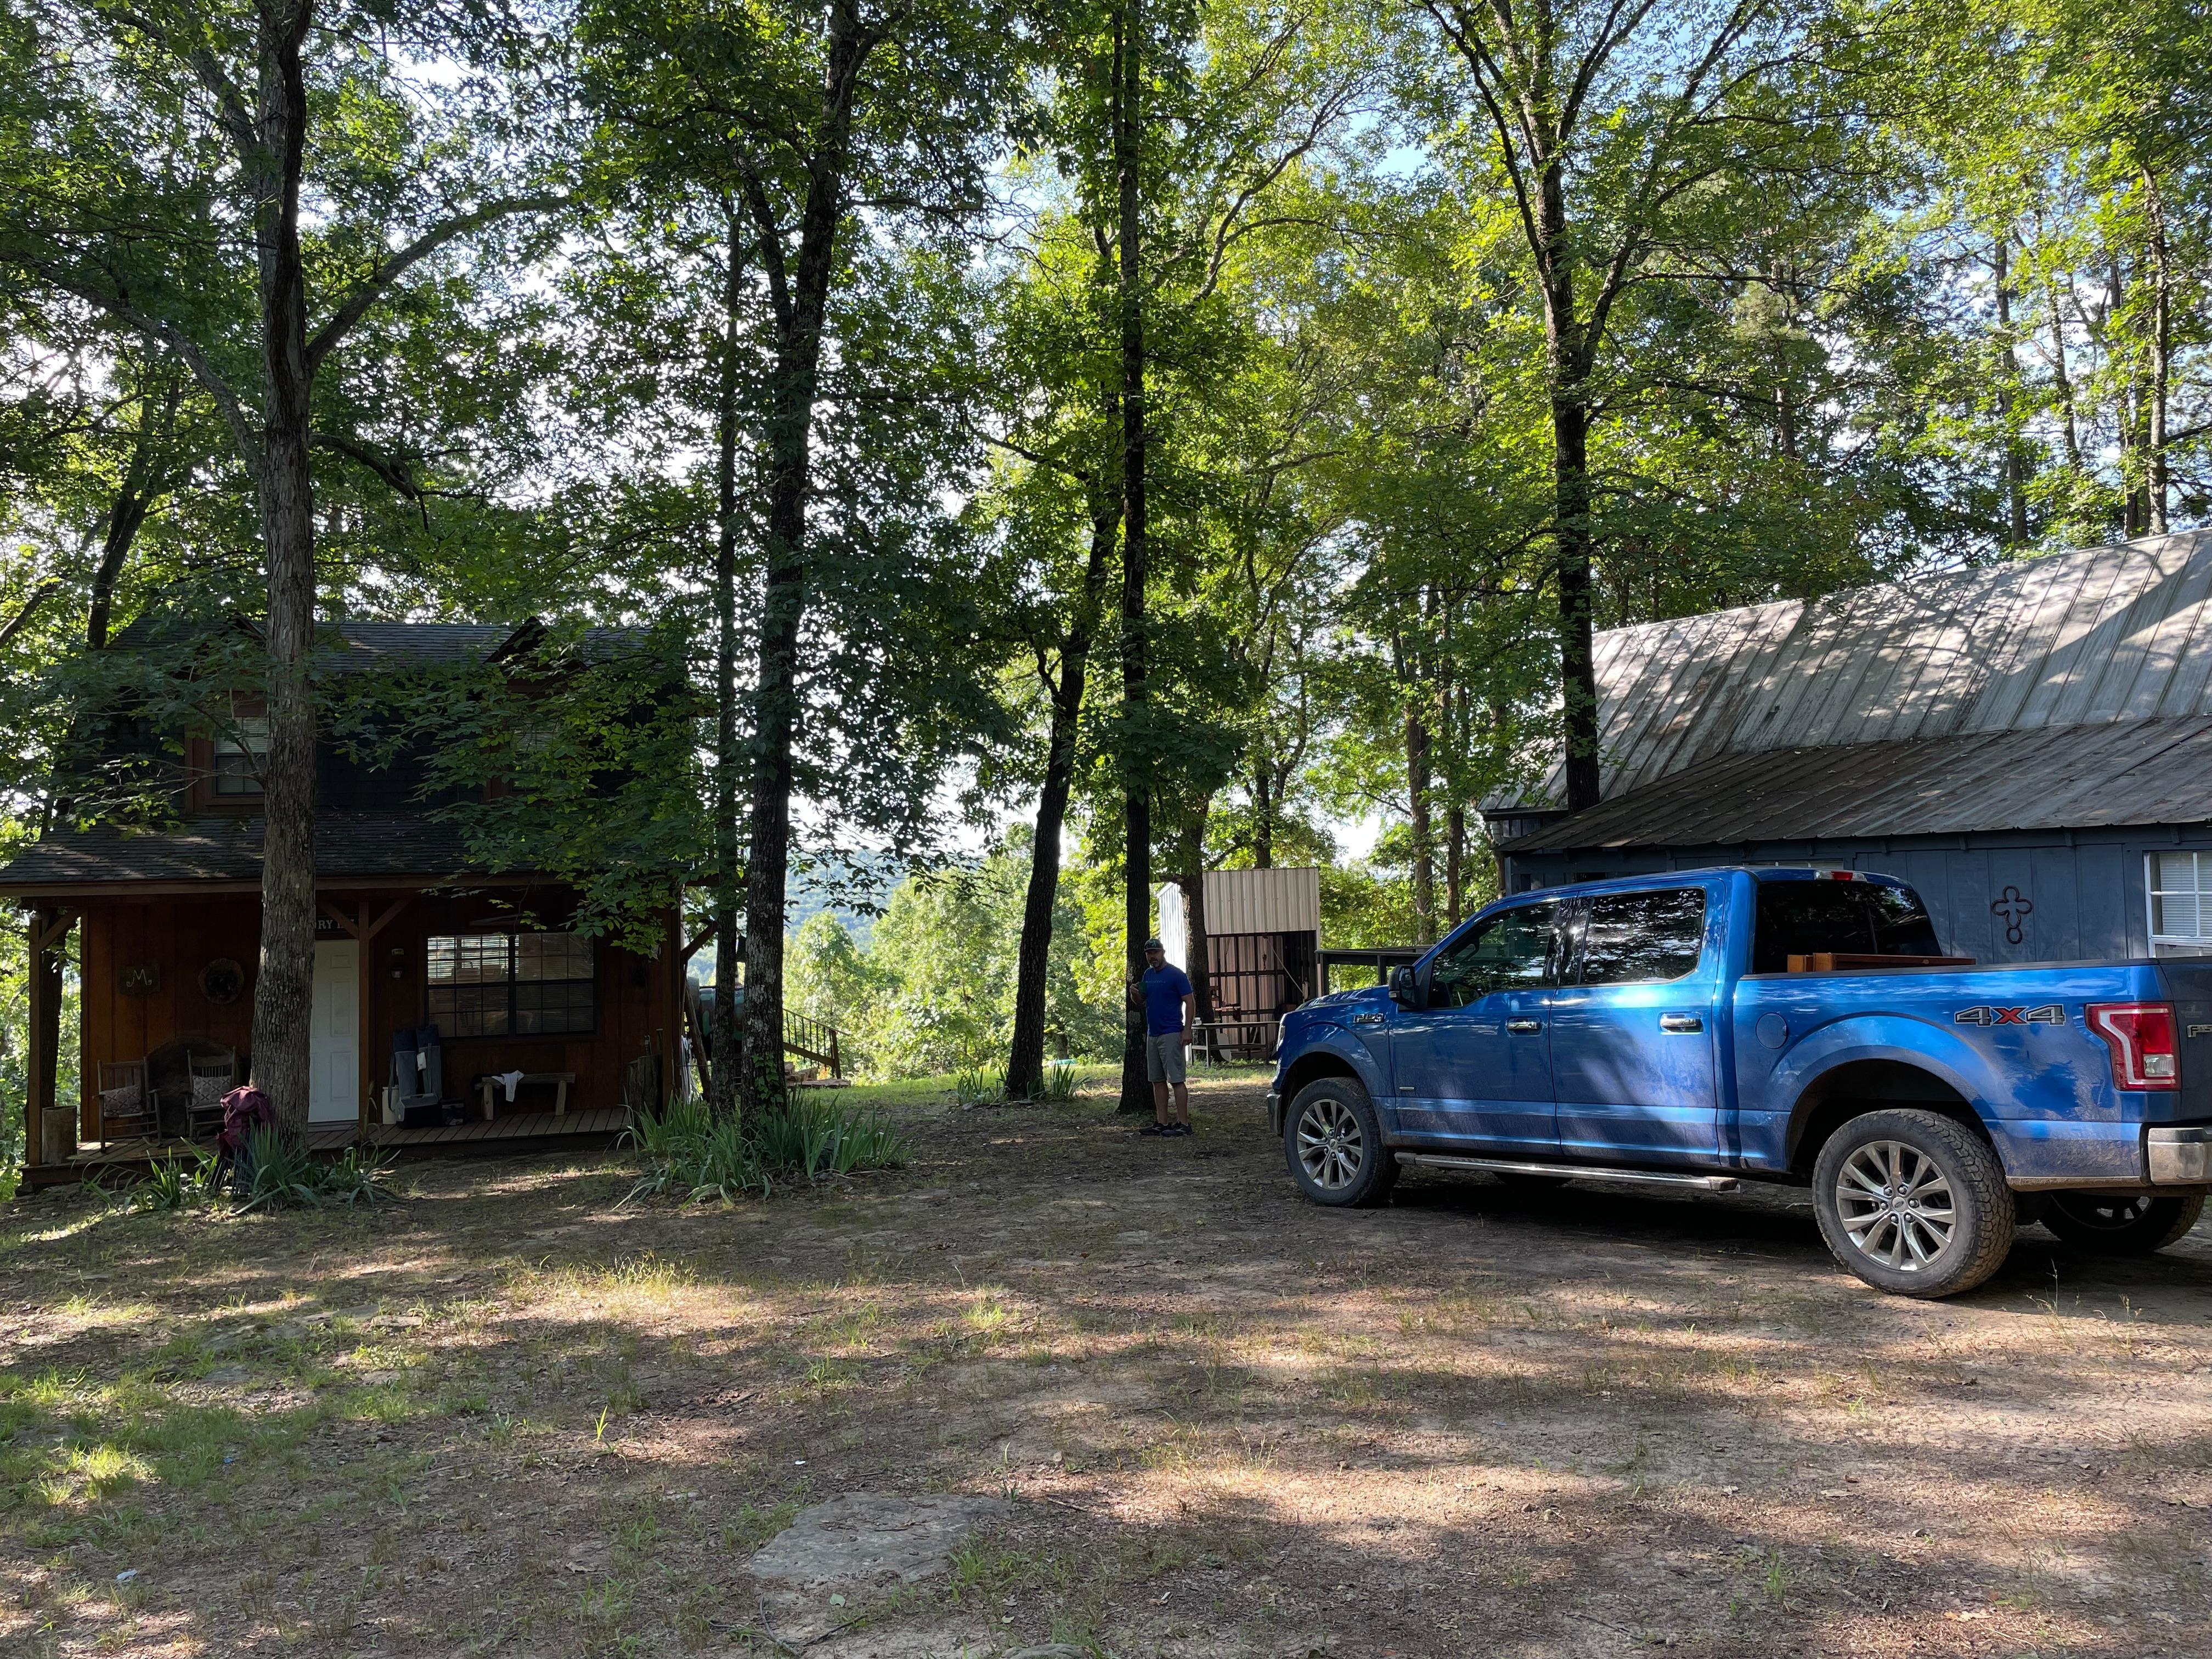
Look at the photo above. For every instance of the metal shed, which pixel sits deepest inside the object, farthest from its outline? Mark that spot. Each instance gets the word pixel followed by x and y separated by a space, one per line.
pixel 1262 944
pixel 2029 743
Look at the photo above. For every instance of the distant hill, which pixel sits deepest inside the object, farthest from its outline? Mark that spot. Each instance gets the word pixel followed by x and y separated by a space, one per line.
pixel 843 891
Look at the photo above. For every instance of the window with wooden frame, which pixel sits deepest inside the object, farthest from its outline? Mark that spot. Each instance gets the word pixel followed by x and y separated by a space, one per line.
pixel 511 984
pixel 238 756
pixel 2180 902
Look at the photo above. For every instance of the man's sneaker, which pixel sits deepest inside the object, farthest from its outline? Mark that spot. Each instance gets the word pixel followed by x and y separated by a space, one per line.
pixel 1177 1129
pixel 1157 1128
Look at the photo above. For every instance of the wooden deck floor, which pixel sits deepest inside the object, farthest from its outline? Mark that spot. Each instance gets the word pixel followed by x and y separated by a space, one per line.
pixel 475 1135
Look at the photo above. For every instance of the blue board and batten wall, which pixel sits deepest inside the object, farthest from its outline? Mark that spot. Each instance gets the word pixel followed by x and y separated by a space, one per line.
pixel 1994 897
pixel 2019 741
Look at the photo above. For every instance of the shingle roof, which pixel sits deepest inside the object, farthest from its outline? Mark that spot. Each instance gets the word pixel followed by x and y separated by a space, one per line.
pixel 2102 634
pixel 229 849
pixel 393 644
pixel 2139 771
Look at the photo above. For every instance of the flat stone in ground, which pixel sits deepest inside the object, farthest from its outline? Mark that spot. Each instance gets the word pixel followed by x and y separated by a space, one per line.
pixel 860 1543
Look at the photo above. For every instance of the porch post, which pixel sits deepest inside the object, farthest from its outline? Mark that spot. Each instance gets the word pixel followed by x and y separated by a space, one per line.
pixel 49 1135
pixel 370 922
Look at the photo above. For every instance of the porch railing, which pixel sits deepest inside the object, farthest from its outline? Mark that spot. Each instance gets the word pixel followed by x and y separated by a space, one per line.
pixel 809 1039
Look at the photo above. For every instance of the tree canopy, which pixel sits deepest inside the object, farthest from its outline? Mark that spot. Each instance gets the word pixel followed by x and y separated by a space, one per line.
pixel 1196 433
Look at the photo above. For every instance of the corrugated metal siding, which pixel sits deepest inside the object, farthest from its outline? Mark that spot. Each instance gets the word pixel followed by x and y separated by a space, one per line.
pixel 1263 900
pixel 2104 635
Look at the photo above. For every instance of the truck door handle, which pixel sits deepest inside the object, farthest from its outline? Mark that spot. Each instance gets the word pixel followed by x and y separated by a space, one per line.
pixel 1680 1022
pixel 1523 1027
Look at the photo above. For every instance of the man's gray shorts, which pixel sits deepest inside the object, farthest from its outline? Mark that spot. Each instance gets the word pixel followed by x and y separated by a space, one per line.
pixel 1163 1057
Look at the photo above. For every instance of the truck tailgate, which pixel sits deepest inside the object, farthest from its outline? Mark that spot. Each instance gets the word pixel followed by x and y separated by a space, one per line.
pixel 2189 988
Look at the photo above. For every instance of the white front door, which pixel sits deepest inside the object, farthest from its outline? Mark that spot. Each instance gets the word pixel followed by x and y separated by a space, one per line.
pixel 334 1034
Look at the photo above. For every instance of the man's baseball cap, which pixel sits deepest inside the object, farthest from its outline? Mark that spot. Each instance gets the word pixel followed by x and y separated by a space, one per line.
pixel 1154 945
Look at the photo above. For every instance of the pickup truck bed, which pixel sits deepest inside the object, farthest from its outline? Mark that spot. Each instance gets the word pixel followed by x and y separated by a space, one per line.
pixel 1651 1029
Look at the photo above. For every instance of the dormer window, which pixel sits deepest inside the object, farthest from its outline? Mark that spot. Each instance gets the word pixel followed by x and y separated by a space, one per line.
pixel 239 755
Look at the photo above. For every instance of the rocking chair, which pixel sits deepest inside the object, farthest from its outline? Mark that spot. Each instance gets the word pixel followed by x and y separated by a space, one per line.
pixel 208 1079
pixel 127 1110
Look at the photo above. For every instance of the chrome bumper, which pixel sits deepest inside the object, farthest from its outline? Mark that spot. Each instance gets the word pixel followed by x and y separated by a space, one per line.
pixel 2179 1158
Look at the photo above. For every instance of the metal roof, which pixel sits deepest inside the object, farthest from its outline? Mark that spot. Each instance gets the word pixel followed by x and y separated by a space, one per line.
pixel 2069 690
pixel 2103 634
pixel 2113 772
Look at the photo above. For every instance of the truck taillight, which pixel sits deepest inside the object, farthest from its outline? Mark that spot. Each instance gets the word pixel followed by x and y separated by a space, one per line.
pixel 2140 1037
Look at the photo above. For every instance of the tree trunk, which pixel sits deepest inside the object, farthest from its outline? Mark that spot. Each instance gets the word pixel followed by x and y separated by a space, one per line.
pixel 142 485
pixel 284 988
pixel 1026 1053
pixel 723 1061
pixel 2155 471
pixel 1137 848
pixel 1198 958
pixel 2061 380
pixel 1568 361
pixel 1455 864
pixel 1417 797
pixel 2015 462
pixel 1263 811
pixel 2129 411
pixel 1578 647
pixel 796 384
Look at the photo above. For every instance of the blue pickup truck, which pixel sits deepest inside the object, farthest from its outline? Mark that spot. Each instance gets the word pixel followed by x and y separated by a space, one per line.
pixel 1706 1028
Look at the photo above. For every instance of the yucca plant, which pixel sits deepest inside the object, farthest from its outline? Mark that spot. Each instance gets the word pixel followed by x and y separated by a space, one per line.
pixel 978 1085
pixel 695 1158
pixel 274 1173
pixel 1059 1080
pixel 178 1184
pixel 277 1174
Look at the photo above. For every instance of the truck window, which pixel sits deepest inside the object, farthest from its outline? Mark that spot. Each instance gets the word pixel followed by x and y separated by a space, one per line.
pixel 1643 938
pixel 1802 918
pixel 1508 952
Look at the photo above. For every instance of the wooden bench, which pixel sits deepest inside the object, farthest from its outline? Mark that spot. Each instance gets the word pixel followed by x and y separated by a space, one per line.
pixel 559 1080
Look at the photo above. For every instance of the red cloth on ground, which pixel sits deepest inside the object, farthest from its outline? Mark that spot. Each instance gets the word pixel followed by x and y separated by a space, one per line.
pixel 243 1110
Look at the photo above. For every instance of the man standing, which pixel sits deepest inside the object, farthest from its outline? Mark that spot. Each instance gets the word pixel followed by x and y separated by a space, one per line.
pixel 1170 1008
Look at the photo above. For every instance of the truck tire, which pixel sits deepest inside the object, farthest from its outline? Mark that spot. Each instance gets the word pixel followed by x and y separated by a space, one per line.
pixel 2121 1224
pixel 1333 1142
pixel 1913 1203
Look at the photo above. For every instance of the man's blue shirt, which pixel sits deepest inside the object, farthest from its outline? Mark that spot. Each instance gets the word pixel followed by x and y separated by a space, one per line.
pixel 1165 986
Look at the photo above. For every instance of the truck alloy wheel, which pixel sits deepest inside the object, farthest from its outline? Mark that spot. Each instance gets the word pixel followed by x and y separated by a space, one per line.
pixel 1913 1203
pixel 2121 1224
pixel 1334 1145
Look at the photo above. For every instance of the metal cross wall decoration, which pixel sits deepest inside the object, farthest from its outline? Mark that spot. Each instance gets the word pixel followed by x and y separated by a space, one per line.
pixel 2015 910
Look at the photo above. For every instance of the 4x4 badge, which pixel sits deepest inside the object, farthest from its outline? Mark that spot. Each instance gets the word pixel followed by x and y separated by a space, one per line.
pixel 2049 1013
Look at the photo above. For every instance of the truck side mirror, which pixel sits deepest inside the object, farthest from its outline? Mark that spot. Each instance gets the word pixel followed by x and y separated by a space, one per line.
pixel 1405 987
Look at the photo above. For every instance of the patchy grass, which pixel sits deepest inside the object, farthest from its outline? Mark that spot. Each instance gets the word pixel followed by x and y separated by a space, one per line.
pixel 514 1415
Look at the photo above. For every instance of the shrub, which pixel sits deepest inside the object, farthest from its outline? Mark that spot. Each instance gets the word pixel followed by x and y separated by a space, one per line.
pixel 1059 1080
pixel 178 1184
pixel 819 1135
pixel 278 1174
pixel 692 1155
pixel 978 1085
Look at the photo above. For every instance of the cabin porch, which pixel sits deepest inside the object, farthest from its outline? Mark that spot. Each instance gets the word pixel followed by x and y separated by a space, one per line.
pixel 522 1131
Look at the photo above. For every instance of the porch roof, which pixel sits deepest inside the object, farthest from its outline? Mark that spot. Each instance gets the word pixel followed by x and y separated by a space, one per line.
pixel 228 851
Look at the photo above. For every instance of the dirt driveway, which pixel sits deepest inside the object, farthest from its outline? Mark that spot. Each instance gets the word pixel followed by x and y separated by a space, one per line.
pixel 507 1416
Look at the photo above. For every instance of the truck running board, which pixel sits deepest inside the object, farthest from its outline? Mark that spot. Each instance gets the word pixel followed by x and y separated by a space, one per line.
pixel 1572 1171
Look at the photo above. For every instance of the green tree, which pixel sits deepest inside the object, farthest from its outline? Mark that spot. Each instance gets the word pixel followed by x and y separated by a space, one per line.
pixel 203 129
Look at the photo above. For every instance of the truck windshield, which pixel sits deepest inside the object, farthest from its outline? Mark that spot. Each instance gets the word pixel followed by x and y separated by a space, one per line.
pixel 1800 918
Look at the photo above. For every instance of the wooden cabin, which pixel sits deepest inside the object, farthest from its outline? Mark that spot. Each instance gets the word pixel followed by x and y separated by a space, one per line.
pixel 412 934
